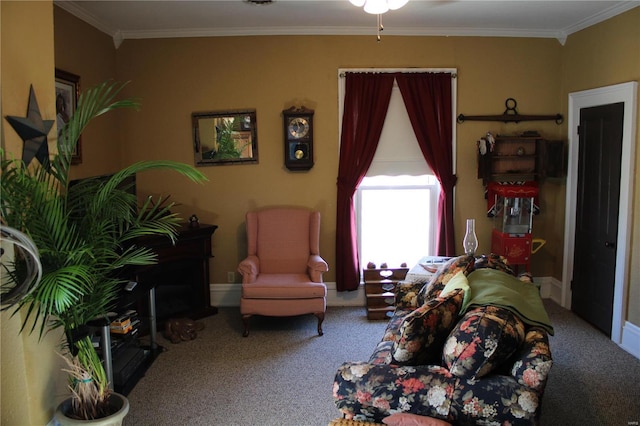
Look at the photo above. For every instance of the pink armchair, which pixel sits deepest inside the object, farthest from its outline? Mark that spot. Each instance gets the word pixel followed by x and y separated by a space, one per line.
pixel 282 274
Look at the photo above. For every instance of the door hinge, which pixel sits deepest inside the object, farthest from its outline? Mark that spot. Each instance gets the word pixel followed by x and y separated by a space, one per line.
pixel 578 130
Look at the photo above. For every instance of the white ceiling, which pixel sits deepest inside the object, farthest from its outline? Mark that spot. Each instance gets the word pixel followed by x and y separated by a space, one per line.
pixel 508 18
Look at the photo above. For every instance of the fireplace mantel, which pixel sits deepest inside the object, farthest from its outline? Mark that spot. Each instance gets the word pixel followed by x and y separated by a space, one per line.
pixel 181 276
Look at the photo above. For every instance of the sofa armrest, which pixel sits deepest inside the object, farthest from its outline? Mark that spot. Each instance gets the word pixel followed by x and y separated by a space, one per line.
pixel 316 266
pixel 364 391
pixel 407 294
pixel 249 268
pixel 533 361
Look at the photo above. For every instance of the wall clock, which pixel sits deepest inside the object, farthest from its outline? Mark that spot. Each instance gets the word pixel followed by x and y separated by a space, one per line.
pixel 298 138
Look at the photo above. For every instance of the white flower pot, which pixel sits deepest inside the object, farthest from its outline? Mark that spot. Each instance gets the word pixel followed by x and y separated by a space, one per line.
pixel 118 401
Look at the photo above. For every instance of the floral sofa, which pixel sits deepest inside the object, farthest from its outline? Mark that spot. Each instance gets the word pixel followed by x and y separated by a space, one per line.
pixel 483 365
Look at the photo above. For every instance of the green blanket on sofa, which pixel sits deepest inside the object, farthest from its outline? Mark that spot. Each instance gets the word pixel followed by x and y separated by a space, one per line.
pixel 486 286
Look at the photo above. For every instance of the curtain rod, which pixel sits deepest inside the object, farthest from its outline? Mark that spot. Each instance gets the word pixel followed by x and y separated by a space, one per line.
pixel 453 75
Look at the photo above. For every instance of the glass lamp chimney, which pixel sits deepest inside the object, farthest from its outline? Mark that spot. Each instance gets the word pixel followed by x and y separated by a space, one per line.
pixel 470 242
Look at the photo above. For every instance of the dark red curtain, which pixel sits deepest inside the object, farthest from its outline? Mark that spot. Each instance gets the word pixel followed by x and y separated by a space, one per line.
pixel 427 97
pixel 366 102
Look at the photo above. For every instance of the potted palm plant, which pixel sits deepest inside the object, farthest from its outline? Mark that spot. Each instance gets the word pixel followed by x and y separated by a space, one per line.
pixel 86 237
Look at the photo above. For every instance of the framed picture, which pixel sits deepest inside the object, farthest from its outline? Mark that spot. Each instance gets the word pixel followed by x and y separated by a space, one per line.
pixel 67 90
pixel 225 137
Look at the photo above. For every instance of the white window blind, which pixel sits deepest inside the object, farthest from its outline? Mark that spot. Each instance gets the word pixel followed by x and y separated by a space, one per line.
pixel 398 152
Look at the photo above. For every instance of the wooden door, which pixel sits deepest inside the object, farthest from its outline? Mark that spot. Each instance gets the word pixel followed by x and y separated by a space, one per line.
pixel 600 150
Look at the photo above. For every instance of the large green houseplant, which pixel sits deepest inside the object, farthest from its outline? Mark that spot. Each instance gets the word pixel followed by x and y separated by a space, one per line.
pixel 86 237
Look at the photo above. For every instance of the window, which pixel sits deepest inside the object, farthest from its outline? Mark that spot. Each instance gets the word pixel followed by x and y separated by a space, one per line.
pixel 396 218
pixel 396 203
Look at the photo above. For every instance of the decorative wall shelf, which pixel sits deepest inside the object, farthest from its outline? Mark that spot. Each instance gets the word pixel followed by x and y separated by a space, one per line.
pixel 510 115
pixel 380 289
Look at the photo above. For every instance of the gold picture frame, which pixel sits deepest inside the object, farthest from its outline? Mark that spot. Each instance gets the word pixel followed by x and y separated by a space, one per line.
pixel 225 137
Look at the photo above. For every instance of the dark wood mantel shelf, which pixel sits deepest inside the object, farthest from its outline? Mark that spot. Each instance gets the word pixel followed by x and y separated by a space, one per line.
pixel 181 276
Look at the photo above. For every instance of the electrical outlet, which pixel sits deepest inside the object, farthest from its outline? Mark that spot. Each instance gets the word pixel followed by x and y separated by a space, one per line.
pixel 231 277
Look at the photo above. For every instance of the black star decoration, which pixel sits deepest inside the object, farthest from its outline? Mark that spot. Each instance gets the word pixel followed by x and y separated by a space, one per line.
pixel 33 130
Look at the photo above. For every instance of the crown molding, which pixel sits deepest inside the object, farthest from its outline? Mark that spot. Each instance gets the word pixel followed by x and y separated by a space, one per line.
pixel 74 7
pixel 602 16
pixel 265 31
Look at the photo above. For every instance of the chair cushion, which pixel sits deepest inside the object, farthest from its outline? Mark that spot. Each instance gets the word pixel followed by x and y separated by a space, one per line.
pixel 424 331
pixel 447 271
pixel 283 286
pixel 481 341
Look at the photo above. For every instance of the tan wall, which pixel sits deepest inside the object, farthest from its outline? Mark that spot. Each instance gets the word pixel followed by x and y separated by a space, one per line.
pixel 31 381
pixel 175 77
pixel 602 55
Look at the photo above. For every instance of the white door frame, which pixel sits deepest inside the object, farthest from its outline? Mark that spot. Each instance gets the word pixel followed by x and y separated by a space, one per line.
pixel 627 93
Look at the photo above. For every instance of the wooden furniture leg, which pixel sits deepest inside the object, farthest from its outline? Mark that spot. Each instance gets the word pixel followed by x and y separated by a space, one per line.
pixel 320 316
pixel 245 321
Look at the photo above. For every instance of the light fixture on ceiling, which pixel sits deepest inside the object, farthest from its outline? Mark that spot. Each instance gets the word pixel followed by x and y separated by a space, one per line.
pixel 378 7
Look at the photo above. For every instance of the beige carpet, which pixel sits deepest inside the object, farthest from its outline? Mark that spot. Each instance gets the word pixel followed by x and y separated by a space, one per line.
pixel 282 374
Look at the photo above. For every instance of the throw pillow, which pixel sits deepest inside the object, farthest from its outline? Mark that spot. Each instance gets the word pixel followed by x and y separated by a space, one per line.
pixel 447 271
pixel 408 419
pixel 481 341
pixel 424 331
pixel 526 277
pixel 494 261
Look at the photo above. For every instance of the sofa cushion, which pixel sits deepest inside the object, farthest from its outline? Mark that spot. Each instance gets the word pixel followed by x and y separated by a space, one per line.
pixel 424 331
pixel 447 271
pixel 481 341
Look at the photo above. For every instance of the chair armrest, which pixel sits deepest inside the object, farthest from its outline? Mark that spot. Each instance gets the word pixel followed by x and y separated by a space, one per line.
pixel 407 294
pixel 316 266
pixel 249 268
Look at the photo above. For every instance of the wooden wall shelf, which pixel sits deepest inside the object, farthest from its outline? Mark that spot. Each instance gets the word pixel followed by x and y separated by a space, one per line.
pixel 510 115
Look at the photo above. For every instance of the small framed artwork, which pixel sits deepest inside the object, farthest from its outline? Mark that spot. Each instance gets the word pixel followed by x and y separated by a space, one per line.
pixel 67 92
